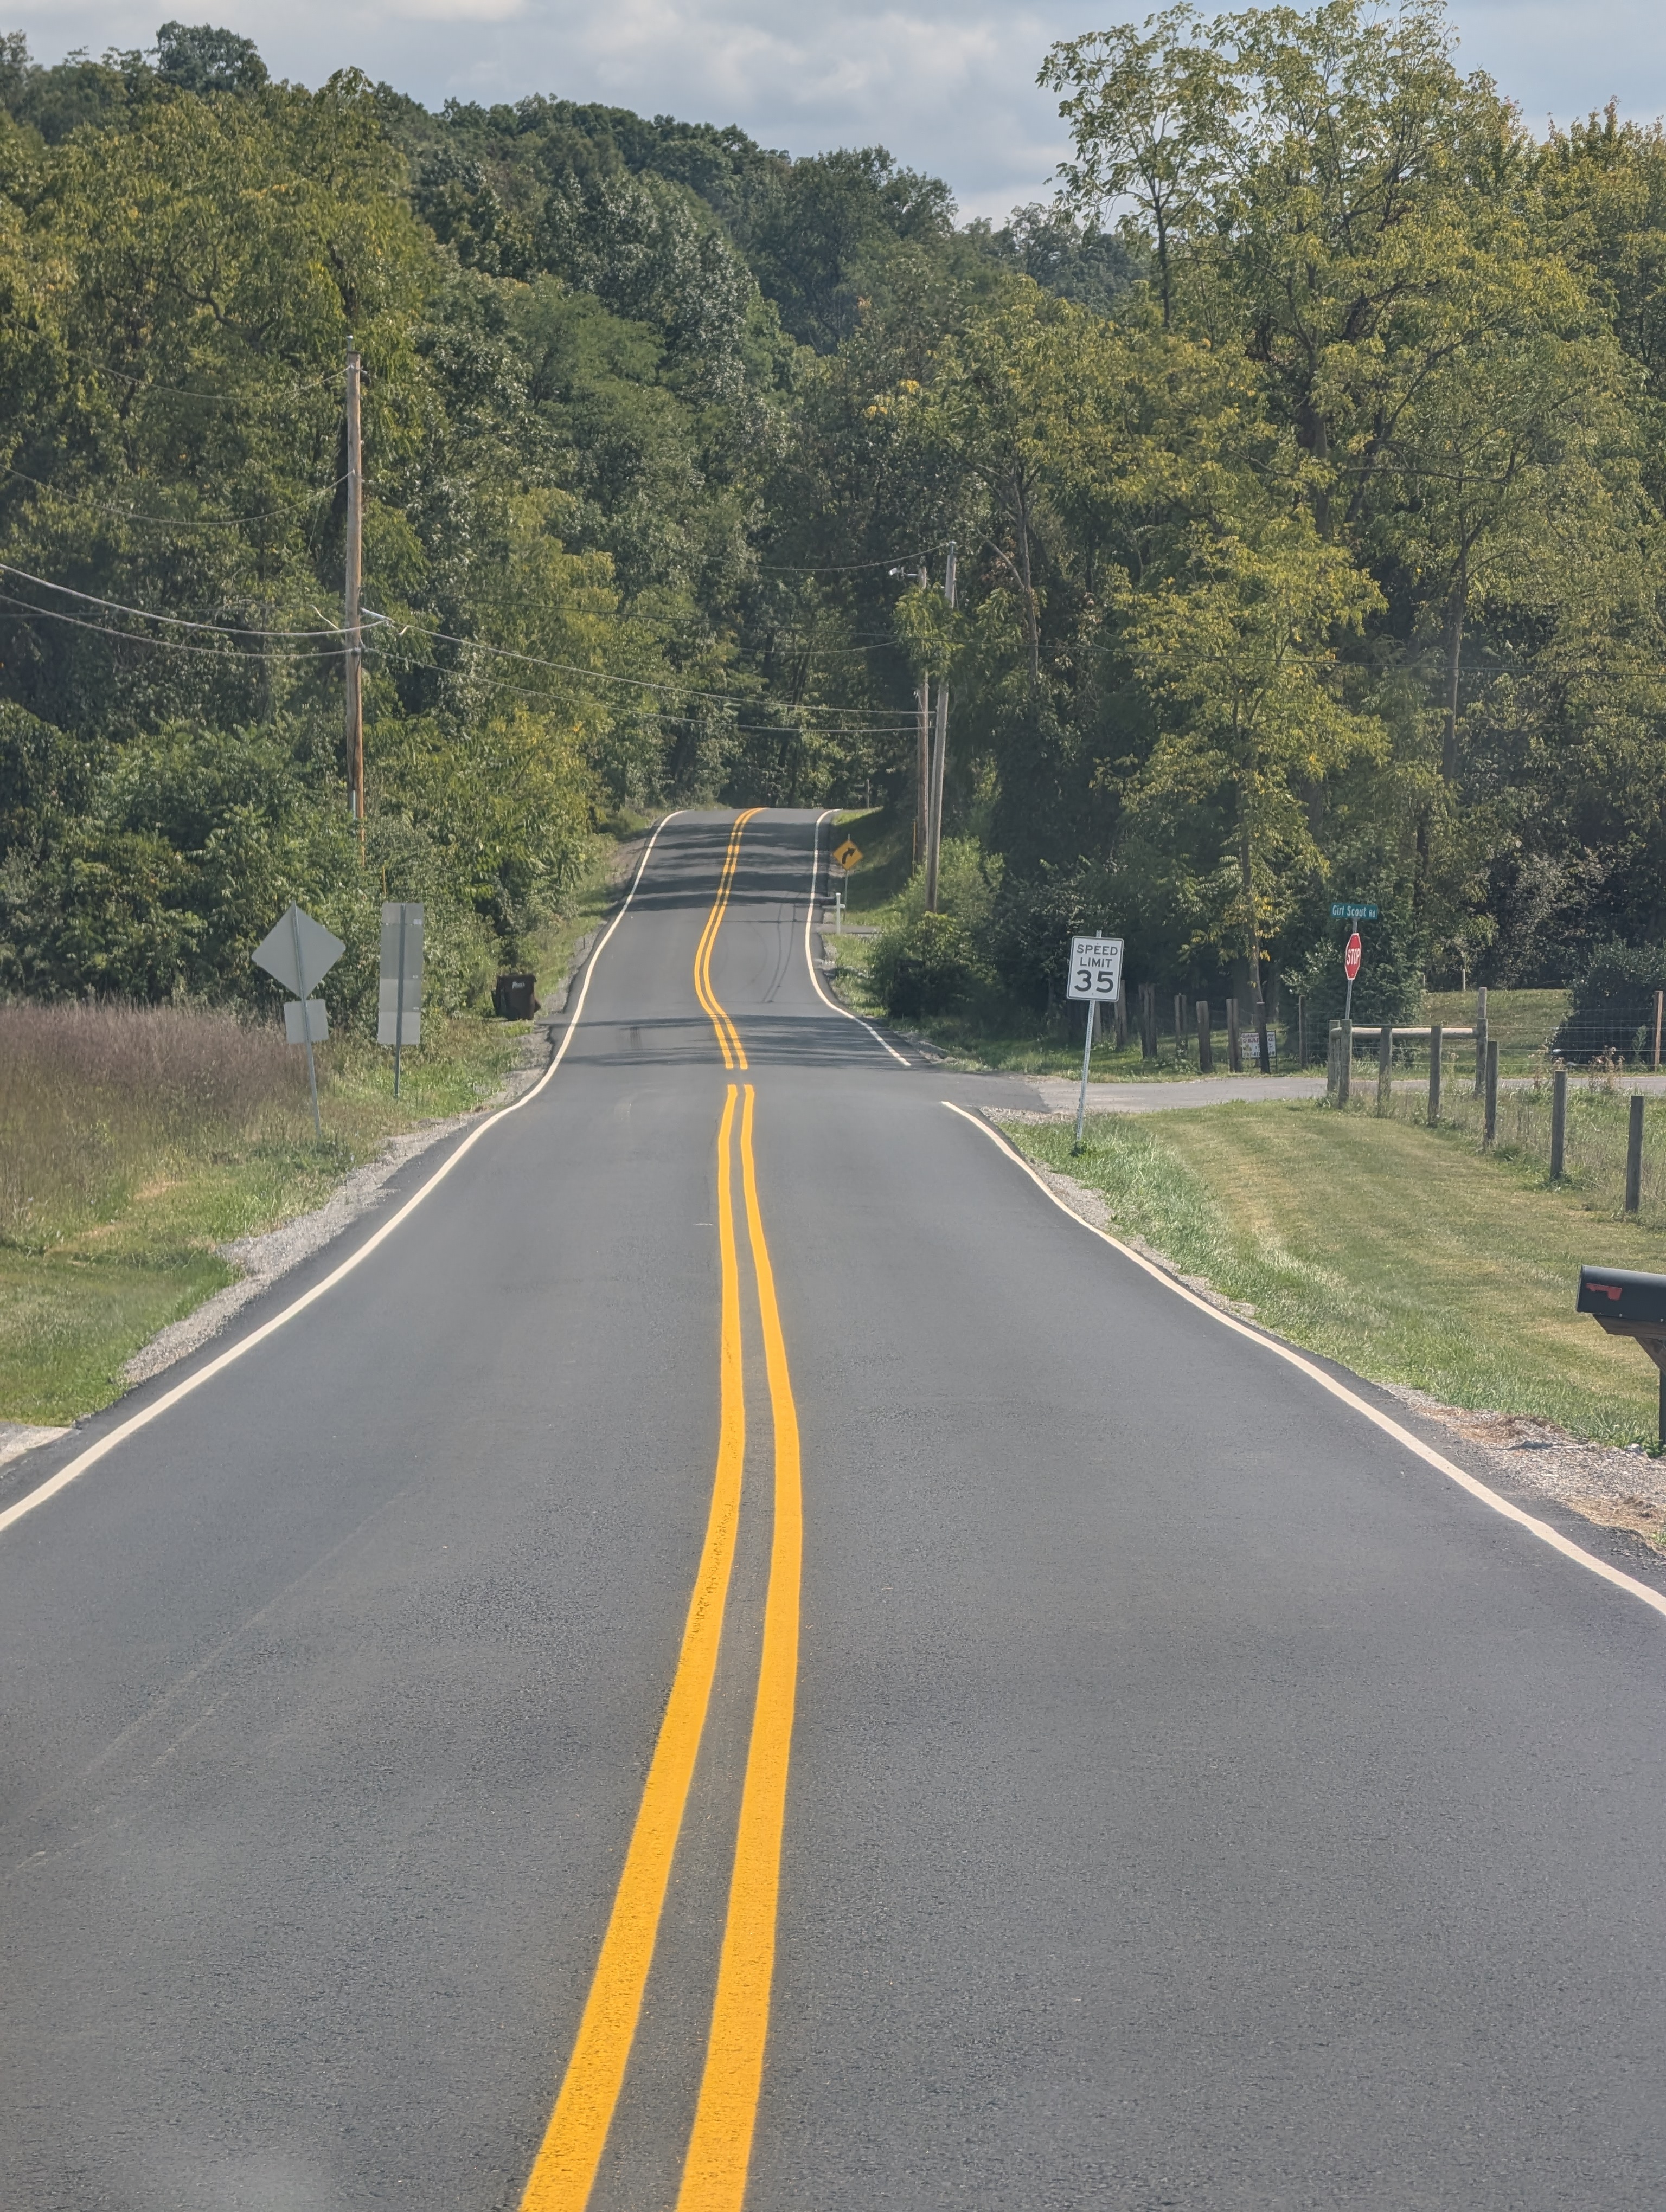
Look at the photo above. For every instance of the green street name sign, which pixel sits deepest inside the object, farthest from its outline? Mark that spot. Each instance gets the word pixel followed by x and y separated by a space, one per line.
pixel 1347 910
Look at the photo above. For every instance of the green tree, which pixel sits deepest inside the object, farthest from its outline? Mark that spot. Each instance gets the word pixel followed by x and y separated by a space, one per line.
pixel 1237 651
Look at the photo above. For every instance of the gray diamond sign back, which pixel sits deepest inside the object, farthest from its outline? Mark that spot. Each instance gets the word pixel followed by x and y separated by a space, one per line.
pixel 299 951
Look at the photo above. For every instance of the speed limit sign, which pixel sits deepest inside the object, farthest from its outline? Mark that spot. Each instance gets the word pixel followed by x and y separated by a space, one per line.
pixel 1096 969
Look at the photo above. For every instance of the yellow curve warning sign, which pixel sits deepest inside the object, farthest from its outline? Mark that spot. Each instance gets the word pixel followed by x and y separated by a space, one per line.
pixel 848 855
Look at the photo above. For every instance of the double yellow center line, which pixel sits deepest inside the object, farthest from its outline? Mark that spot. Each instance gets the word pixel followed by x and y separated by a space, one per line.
pixel 720 2142
pixel 728 1037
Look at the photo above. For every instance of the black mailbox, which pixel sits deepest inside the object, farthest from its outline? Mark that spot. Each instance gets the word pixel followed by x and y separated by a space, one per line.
pixel 1628 1303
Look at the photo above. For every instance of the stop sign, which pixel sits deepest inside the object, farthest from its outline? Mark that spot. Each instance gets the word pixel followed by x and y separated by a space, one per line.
pixel 1351 958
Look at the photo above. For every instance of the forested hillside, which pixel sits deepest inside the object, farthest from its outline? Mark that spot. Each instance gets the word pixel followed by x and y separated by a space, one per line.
pixel 1303 464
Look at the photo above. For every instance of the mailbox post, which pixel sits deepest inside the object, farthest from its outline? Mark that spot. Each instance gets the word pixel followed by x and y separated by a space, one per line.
pixel 1628 1303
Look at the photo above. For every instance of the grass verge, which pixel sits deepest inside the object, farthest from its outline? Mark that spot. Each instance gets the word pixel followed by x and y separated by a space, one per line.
pixel 93 1264
pixel 77 1303
pixel 1397 1250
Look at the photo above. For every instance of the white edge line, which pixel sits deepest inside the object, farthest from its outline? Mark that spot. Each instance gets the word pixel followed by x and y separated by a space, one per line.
pixel 134 1422
pixel 815 871
pixel 1541 1529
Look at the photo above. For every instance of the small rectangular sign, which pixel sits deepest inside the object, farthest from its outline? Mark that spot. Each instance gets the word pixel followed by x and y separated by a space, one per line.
pixel 391 1026
pixel 313 1013
pixel 1096 969
pixel 399 992
pixel 402 930
pixel 1250 1041
pixel 1352 910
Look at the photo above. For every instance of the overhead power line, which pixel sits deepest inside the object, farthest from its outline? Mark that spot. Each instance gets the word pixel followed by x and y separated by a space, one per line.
pixel 174 521
pixel 868 721
pixel 172 644
pixel 850 567
pixel 600 676
pixel 148 614
pixel 291 391
pixel 877 728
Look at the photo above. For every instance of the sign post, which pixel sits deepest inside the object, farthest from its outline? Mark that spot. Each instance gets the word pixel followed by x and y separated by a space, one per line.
pixel 299 953
pixel 844 859
pixel 400 996
pixel 1095 975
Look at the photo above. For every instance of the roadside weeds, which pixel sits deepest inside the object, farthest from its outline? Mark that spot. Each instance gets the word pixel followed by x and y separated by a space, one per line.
pixel 70 1324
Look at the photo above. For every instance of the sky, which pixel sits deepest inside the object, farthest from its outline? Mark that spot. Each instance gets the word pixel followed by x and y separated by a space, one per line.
pixel 947 85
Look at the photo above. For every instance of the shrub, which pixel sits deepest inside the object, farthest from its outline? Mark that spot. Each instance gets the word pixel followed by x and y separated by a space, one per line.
pixel 1035 919
pixel 1613 1007
pixel 1389 985
pixel 922 967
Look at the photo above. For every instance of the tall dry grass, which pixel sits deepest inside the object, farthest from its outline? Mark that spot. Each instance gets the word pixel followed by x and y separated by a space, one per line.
pixel 97 1101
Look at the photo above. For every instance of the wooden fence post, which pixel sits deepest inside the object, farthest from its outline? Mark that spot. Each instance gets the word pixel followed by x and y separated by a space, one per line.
pixel 1179 1025
pixel 1344 1062
pixel 1481 1042
pixel 1121 1018
pixel 1148 1021
pixel 1333 1063
pixel 1206 1049
pixel 1660 1009
pixel 1558 1123
pixel 1384 1066
pixel 1435 1034
pixel 1234 1042
pixel 1634 1155
pixel 1490 1136
pixel 1301 1032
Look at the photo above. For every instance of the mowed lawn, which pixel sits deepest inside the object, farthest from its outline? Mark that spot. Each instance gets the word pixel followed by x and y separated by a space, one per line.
pixel 1407 1255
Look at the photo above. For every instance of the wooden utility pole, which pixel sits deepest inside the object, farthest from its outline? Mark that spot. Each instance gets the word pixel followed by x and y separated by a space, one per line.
pixel 922 758
pixel 354 566
pixel 940 754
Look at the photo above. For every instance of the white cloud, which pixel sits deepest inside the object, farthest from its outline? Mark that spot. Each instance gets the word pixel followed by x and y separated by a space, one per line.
pixel 947 85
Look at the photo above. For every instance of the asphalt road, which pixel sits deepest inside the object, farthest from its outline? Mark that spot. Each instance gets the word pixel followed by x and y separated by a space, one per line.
pixel 1195 1799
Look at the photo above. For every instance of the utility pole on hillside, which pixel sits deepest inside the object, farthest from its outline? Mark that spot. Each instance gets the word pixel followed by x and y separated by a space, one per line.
pixel 923 752
pixel 354 669
pixel 939 754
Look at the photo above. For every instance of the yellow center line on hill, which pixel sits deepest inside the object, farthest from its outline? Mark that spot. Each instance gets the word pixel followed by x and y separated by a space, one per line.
pixel 565 2168
pixel 721 2146
pixel 728 1037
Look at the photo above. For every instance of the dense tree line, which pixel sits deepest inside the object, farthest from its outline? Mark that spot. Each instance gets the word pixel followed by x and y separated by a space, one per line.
pixel 1304 462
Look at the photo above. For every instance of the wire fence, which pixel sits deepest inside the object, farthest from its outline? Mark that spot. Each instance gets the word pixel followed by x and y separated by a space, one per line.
pixel 1596 1131
pixel 1624 1031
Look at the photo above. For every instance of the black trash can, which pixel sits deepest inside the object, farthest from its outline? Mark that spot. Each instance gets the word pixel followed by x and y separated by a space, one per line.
pixel 514 999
